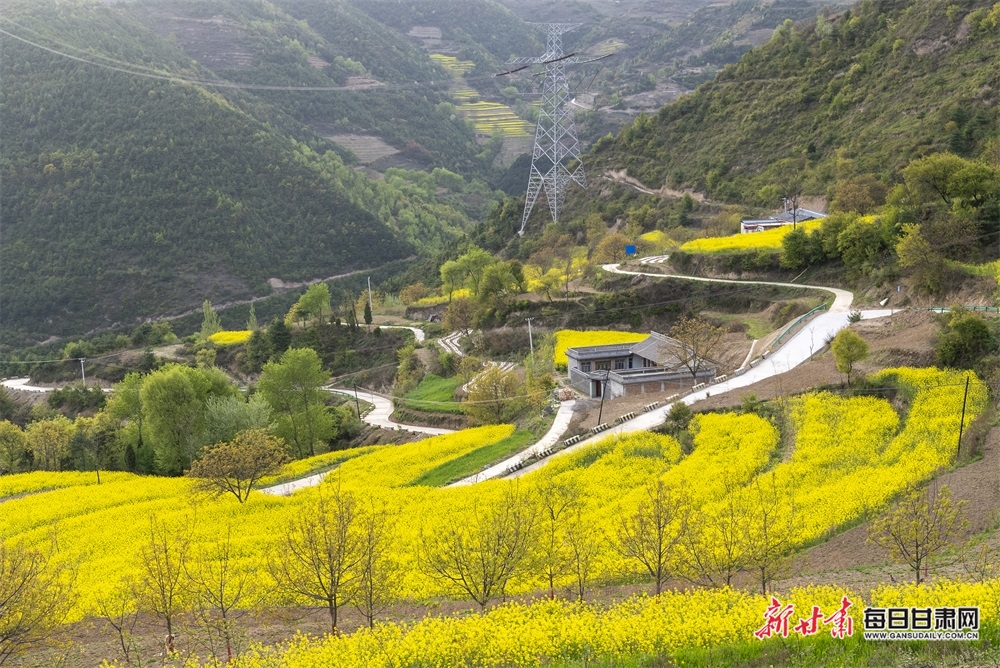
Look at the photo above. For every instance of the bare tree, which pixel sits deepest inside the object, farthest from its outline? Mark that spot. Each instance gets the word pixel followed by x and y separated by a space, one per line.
pixel 714 543
pixel 236 466
pixel 584 543
pixel 650 534
pixel 698 339
pixel 920 526
pixel 553 552
pixel 495 396
pixel 460 315
pixel 320 552
pixel 479 555
pixel 120 609
pixel 36 593
pixel 221 589
pixel 771 529
pixel 161 573
pixel 377 570
pixel 982 565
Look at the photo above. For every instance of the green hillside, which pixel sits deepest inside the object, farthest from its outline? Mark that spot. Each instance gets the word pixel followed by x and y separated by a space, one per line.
pixel 323 44
pixel 720 33
pixel 482 31
pixel 125 197
pixel 861 92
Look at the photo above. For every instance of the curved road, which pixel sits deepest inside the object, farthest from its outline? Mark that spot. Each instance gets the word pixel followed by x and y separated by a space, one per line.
pixel 379 417
pixel 286 488
pixel 417 332
pixel 558 428
pixel 797 350
pixel 842 299
pixel 22 385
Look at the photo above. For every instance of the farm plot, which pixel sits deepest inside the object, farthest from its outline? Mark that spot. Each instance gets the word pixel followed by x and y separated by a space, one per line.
pixel 367 149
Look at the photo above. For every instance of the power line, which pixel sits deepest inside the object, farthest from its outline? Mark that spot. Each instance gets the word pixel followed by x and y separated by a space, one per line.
pixel 151 73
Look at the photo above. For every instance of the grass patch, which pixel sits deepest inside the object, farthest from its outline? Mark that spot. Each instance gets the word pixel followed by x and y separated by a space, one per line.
pixel 758 326
pixel 434 394
pixel 472 462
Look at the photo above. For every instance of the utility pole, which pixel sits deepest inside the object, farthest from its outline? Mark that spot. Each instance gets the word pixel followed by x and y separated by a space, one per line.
pixel 357 403
pixel 961 425
pixel 604 390
pixel 531 342
pixel 370 307
pixel 556 144
pixel 83 373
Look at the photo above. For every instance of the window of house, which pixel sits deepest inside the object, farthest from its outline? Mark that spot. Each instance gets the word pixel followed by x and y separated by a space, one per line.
pixel 585 366
pixel 646 364
pixel 604 366
pixel 619 364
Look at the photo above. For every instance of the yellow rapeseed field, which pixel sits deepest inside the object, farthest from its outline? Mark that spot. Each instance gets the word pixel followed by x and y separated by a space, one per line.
pixel 571 338
pixel 769 240
pixel 544 632
pixel 230 338
pixel 434 300
pixel 840 446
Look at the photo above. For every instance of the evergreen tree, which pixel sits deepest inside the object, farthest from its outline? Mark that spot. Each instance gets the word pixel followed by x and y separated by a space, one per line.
pixel 130 460
pixel 257 351
pixel 279 335
pixel 252 320
pixel 210 321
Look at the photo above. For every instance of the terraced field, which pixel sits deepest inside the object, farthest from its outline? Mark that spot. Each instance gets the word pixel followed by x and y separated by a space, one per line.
pixel 367 149
pixel 488 118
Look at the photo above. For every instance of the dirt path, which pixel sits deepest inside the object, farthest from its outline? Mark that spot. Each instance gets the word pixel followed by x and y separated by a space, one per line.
pixel 623 178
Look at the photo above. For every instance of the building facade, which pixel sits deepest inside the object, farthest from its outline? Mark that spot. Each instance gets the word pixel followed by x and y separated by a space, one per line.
pixel 655 365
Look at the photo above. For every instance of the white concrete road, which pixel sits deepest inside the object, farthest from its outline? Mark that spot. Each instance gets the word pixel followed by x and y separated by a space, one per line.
pixel 417 332
pixel 22 385
pixel 797 350
pixel 841 302
pixel 450 343
pixel 558 428
pixel 286 488
pixel 379 416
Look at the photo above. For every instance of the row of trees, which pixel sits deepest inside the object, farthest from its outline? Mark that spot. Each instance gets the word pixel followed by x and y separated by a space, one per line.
pixel 160 422
pixel 493 286
pixel 342 550
pixel 945 209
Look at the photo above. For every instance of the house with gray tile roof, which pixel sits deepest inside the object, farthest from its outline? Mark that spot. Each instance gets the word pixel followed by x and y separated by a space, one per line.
pixel 657 364
pixel 783 219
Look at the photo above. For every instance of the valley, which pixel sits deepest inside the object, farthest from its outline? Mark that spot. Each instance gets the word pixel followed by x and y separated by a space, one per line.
pixel 288 378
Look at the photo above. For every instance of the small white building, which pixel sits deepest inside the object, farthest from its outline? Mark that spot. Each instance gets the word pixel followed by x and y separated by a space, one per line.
pixel 654 365
pixel 787 217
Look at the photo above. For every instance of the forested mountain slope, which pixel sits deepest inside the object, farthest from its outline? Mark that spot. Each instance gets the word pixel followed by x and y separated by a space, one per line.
pixel 482 31
pixel 394 90
pixel 864 91
pixel 127 197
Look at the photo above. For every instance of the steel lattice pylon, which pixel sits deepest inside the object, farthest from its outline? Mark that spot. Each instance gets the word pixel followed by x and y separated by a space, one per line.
pixel 556 144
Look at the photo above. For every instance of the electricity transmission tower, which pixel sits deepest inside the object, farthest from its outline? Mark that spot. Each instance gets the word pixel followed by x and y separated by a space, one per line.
pixel 556 144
